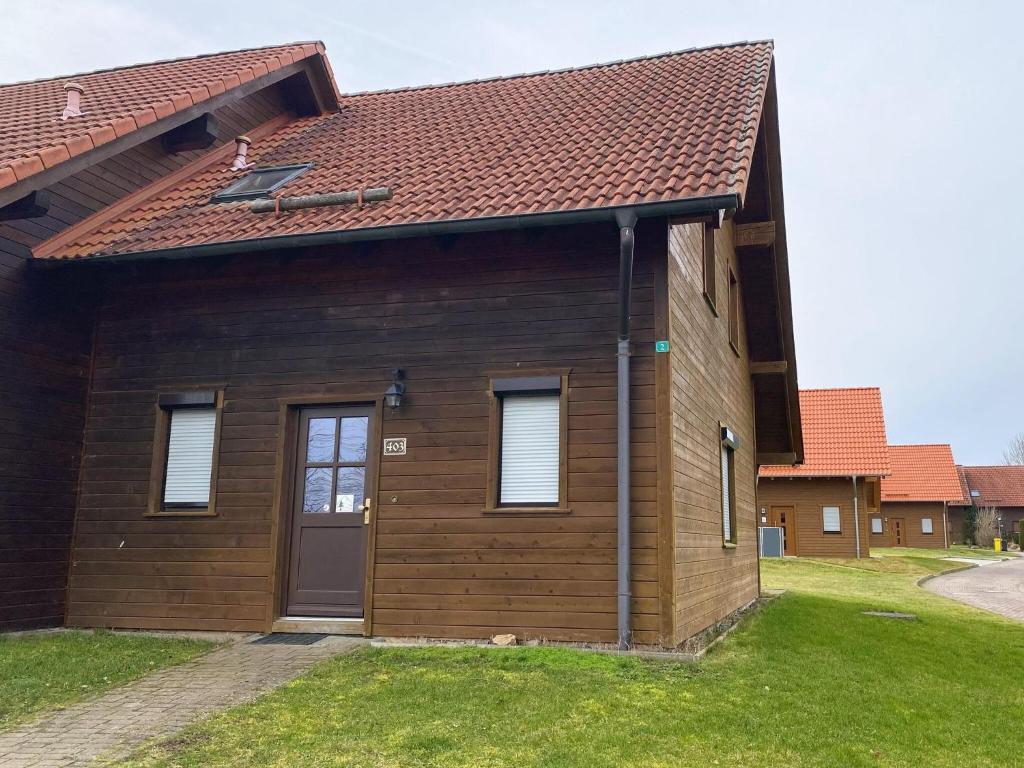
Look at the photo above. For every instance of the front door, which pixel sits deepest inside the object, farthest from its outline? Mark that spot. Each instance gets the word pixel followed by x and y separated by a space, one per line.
pixel 335 462
pixel 897 531
pixel 782 517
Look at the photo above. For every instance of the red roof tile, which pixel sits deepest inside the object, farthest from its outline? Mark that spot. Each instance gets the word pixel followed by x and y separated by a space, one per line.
pixel 844 435
pixel 118 101
pixel 922 473
pixel 666 127
pixel 999 486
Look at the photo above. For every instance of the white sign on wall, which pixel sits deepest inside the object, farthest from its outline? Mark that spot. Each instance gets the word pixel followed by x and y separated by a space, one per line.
pixel 394 446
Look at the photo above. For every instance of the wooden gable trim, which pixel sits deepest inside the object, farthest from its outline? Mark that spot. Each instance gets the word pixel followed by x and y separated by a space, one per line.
pixel 757 234
pixel 88 225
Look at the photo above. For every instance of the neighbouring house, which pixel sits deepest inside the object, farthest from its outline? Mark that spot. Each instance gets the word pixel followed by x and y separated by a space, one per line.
pixel 998 487
pixel 823 504
pixel 498 356
pixel 916 497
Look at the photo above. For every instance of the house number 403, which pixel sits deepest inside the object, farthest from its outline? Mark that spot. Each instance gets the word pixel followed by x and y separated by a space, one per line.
pixel 394 446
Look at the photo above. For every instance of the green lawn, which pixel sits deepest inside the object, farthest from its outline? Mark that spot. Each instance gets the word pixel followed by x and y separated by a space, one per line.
pixel 955 550
pixel 50 670
pixel 810 681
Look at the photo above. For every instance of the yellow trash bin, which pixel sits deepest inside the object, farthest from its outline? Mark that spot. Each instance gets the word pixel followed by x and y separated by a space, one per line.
pixel 997 545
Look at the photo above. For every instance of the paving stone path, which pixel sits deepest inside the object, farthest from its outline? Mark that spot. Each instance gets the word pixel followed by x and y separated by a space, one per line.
pixel 160 704
pixel 998 588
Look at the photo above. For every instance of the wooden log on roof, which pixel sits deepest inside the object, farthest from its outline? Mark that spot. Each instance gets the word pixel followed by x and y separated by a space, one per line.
pixel 373 195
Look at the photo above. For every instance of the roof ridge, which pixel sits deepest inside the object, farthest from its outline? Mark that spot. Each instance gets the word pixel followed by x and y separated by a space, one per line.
pixel 542 72
pixel 991 466
pixel 842 389
pixel 172 60
pixel 920 445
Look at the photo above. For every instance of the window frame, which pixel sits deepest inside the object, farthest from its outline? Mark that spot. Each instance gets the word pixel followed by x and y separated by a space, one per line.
pixel 728 445
pixel 167 402
pixel 734 311
pixel 881 525
pixel 526 383
pixel 931 524
pixel 839 519
pixel 227 196
pixel 710 266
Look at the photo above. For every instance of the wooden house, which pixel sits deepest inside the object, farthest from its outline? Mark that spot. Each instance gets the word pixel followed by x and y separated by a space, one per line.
pixel 916 497
pixel 499 356
pixel 823 505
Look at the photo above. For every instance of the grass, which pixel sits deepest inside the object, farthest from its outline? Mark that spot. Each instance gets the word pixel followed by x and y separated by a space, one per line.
pixel 955 550
pixel 40 672
pixel 809 681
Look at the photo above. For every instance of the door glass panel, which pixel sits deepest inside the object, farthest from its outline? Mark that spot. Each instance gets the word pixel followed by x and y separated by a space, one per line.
pixel 353 439
pixel 320 445
pixel 350 488
pixel 316 497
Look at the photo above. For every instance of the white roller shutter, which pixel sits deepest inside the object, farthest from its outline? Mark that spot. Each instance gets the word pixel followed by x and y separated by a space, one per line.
pixel 726 496
pixel 190 456
pixel 529 449
pixel 830 519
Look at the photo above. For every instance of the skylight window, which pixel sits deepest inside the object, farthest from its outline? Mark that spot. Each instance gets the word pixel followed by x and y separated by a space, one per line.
pixel 260 182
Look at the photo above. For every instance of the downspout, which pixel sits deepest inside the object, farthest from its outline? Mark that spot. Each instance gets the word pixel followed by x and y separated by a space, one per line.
pixel 856 516
pixel 945 525
pixel 626 219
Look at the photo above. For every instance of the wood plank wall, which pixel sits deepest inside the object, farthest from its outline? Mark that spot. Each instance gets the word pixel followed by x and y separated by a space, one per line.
pixel 45 339
pixel 710 383
pixel 334 322
pixel 808 496
pixel 912 513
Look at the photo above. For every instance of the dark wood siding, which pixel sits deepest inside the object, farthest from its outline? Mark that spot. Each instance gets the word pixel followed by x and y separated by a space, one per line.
pixel 45 344
pixel 710 386
pixel 333 323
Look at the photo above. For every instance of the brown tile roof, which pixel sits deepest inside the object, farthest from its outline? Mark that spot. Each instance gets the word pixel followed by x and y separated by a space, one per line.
pixel 33 137
pixel 844 435
pixel 661 128
pixel 999 486
pixel 922 473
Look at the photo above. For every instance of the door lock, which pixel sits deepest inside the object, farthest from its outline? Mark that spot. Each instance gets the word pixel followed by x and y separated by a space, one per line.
pixel 365 509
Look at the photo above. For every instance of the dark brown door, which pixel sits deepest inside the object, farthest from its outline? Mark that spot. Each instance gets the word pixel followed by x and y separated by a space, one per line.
pixel 896 531
pixel 782 517
pixel 335 462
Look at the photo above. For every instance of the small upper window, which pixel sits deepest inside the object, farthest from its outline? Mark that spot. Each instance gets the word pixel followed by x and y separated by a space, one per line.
pixel 259 182
pixel 729 444
pixel 876 525
pixel 926 525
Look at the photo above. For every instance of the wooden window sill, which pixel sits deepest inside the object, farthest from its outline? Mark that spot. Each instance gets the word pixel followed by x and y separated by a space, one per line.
pixel 832 533
pixel 711 304
pixel 729 545
pixel 735 349
pixel 521 511
pixel 199 512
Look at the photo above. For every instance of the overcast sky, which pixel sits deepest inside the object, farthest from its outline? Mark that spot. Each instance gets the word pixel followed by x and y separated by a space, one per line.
pixel 901 134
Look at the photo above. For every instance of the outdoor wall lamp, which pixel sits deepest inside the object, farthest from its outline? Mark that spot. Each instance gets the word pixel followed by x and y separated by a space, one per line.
pixel 393 394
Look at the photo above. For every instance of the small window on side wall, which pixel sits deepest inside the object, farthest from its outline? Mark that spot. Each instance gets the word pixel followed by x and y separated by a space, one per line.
pixel 528 445
pixel 876 525
pixel 729 444
pixel 185 446
pixel 734 312
pixel 710 285
pixel 830 520
pixel 926 525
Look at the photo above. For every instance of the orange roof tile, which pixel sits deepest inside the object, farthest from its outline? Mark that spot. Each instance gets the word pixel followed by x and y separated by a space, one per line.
pixel 33 137
pixel 844 435
pixel 922 473
pixel 661 128
pixel 997 486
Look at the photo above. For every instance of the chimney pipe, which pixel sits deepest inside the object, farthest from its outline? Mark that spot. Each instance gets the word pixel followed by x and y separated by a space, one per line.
pixel 74 93
pixel 241 147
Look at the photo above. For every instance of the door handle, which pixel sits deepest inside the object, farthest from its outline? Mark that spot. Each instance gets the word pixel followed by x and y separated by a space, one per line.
pixel 365 509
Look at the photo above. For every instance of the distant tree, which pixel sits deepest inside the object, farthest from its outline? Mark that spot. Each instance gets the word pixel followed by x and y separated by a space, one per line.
pixel 1014 453
pixel 970 524
pixel 987 527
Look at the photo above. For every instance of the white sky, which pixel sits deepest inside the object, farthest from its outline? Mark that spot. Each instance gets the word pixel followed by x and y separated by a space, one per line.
pixel 901 127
